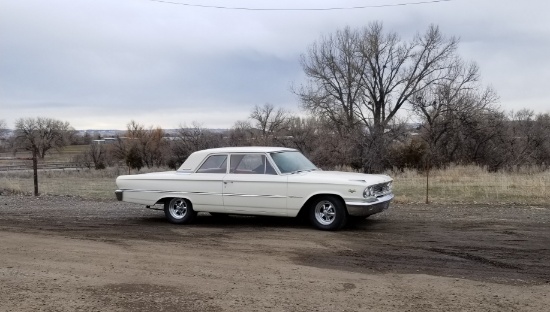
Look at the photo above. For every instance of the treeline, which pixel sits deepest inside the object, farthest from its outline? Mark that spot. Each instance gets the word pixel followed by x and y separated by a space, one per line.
pixel 492 140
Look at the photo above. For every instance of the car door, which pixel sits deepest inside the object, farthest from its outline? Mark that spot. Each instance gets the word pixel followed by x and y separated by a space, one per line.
pixel 253 186
pixel 205 185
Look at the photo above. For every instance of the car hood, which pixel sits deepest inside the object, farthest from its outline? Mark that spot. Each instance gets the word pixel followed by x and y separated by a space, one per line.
pixel 339 177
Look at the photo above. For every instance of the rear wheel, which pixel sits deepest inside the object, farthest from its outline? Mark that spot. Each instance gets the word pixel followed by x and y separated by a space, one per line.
pixel 179 211
pixel 327 213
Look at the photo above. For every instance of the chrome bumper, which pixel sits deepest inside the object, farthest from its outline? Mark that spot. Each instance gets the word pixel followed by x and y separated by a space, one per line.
pixel 367 208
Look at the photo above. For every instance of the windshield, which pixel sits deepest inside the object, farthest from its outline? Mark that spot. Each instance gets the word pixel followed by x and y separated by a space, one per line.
pixel 290 162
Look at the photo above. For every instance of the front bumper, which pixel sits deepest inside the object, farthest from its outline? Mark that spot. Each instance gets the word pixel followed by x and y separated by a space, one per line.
pixel 366 208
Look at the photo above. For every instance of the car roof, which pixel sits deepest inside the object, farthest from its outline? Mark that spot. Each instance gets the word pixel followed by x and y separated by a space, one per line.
pixel 196 158
pixel 245 149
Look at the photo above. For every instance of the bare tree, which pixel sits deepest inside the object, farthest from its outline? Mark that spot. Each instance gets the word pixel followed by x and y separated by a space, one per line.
pixel 542 135
pixel 3 133
pixel 39 135
pixel 397 70
pixel 332 150
pixel 149 142
pixel 83 160
pixel 526 141
pixel 98 155
pixel 481 140
pixel 134 158
pixel 498 141
pixel 302 134
pixel 197 137
pixel 42 134
pixel 191 139
pixel 362 78
pixel 269 121
pixel 3 128
pixel 335 87
pixel 241 134
pixel 156 146
pixel 447 104
pixel 120 148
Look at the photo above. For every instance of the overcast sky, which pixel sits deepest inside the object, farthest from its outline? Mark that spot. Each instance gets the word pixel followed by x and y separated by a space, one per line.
pixel 101 63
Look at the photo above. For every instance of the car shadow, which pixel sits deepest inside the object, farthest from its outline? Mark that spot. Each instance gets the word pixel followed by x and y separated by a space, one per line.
pixel 206 220
pixel 231 221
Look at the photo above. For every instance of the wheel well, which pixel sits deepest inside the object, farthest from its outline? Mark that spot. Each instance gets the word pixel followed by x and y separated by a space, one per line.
pixel 165 200
pixel 305 206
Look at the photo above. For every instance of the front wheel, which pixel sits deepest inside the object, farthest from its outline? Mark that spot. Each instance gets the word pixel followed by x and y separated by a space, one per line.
pixel 328 213
pixel 179 211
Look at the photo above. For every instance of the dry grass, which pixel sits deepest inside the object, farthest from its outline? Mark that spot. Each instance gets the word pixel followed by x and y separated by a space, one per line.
pixel 67 153
pixel 458 184
pixel 472 184
pixel 88 183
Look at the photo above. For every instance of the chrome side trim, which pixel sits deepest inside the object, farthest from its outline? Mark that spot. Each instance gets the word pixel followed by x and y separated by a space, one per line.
pixel 203 193
pixel 172 192
pixel 253 195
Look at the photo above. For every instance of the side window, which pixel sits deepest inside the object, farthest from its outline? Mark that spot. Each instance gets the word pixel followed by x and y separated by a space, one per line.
pixel 214 164
pixel 250 164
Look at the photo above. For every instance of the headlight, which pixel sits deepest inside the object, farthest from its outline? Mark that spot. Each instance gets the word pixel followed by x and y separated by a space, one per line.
pixel 368 192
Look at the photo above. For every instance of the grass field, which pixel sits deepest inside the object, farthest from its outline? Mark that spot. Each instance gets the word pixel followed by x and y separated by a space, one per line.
pixel 471 184
pixel 96 184
pixel 454 185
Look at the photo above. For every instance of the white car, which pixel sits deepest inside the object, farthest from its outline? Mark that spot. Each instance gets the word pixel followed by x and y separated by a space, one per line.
pixel 269 181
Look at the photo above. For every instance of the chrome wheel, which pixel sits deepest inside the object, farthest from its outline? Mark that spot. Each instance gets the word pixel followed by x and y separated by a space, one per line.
pixel 325 212
pixel 178 208
pixel 179 211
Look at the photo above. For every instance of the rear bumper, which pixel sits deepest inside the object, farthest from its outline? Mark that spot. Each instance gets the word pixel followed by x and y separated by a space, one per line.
pixel 118 194
pixel 364 209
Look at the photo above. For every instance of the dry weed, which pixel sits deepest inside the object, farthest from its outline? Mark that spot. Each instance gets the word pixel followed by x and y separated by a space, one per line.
pixel 473 184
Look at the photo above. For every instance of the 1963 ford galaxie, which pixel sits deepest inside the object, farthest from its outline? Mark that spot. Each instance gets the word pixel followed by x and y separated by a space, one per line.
pixel 269 181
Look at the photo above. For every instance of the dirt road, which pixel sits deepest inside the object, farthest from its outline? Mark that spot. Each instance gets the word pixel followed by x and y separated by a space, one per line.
pixel 69 254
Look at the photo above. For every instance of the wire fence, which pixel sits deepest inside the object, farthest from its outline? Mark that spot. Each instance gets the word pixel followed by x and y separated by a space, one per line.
pixel 18 166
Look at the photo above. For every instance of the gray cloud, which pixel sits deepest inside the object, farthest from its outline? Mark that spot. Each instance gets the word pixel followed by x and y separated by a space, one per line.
pixel 100 63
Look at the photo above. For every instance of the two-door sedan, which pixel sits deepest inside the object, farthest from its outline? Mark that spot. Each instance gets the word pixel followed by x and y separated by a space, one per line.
pixel 269 181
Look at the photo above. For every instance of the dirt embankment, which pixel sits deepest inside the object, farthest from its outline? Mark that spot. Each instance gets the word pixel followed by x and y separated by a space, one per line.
pixel 69 254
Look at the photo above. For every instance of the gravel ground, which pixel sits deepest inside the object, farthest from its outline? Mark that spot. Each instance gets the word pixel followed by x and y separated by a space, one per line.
pixel 71 254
